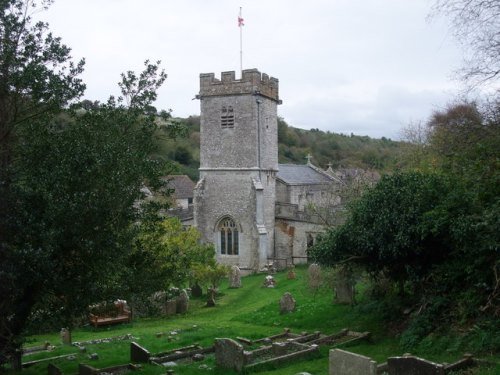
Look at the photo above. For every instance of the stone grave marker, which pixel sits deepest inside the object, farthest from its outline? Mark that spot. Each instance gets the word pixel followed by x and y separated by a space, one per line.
pixel 196 290
pixel 182 302
pixel 269 282
pixel 314 276
pixel 138 353
pixel 287 303
pixel 410 365
pixel 65 336
pixel 347 363
pixel 229 354
pixel 235 277
pixel 344 287
pixel 211 297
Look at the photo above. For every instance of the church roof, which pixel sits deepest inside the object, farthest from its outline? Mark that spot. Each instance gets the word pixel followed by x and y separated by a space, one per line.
pixel 292 174
pixel 182 185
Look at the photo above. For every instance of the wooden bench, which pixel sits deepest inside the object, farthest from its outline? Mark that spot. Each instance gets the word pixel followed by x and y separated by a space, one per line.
pixel 103 314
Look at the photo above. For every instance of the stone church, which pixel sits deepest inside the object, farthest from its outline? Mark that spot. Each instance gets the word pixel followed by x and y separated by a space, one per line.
pixel 254 210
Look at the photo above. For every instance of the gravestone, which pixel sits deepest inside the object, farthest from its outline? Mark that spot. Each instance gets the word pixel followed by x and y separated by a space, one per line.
pixel 344 286
pixel 314 276
pixel 196 290
pixel 347 363
pixel 182 302
pixel 269 282
pixel 53 370
pixel 291 274
pixel 410 365
pixel 170 307
pixel 287 303
pixel 138 353
pixel 235 277
pixel 210 297
pixel 229 354
pixel 65 336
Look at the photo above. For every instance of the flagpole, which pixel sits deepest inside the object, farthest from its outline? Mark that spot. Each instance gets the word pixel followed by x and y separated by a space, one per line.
pixel 240 24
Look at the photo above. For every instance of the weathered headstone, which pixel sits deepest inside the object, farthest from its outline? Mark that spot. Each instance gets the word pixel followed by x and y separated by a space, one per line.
pixel 287 303
pixel 314 277
pixel 65 336
pixel 210 297
pixel 344 286
pixel 182 302
pixel 229 354
pixel 347 363
pixel 291 274
pixel 410 365
pixel 170 307
pixel 235 277
pixel 138 353
pixel 196 290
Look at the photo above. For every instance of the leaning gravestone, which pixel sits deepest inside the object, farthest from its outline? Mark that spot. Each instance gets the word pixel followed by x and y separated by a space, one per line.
pixel 235 277
pixel 409 365
pixel 344 286
pixel 229 354
pixel 182 302
pixel 138 353
pixel 347 363
pixel 287 303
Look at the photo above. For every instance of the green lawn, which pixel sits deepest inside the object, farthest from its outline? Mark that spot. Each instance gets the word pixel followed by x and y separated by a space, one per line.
pixel 252 312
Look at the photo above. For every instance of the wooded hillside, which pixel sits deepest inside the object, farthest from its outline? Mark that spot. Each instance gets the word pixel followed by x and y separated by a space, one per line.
pixel 341 150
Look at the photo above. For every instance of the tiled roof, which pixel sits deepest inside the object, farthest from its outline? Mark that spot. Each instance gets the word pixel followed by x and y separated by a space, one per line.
pixel 293 174
pixel 182 185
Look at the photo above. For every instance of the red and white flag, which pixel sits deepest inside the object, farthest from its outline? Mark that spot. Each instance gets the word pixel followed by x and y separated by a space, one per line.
pixel 241 21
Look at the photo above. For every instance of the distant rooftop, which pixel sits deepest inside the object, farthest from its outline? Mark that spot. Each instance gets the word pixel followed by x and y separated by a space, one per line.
pixel 293 174
pixel 182 185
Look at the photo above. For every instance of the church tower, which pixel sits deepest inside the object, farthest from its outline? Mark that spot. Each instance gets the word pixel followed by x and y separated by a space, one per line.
pixel 234 199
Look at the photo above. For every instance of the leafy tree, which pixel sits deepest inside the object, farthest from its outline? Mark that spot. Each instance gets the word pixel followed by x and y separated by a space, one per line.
pixel 165 254
pixel 70 180
pixel 37 78
pixel 392 229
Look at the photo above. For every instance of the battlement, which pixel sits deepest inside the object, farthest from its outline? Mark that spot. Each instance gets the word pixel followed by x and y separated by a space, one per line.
pixel 252 82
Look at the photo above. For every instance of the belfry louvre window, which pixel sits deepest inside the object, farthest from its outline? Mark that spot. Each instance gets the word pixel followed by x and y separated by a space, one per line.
pixel 229 241
pixel 227 117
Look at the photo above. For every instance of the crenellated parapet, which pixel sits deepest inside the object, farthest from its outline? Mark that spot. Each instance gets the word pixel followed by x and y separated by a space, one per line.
pixel 252 82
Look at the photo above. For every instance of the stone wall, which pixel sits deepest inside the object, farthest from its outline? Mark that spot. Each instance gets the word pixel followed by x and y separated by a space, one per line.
pixel 290 239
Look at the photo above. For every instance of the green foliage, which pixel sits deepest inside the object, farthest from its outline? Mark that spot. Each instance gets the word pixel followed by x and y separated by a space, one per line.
pixel 389 231
pixel 210 273
pixel 165 254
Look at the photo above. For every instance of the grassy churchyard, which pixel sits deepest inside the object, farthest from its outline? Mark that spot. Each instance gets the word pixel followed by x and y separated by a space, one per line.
pixel 251 312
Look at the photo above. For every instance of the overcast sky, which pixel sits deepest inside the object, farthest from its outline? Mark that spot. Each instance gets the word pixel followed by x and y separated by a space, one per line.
pixel 367 67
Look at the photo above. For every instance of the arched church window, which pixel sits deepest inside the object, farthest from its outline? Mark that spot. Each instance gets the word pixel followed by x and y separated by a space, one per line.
pixel 227 117
pixel 229 239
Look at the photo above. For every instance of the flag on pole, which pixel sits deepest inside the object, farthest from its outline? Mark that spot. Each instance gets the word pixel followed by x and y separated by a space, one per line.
pixel 241 21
